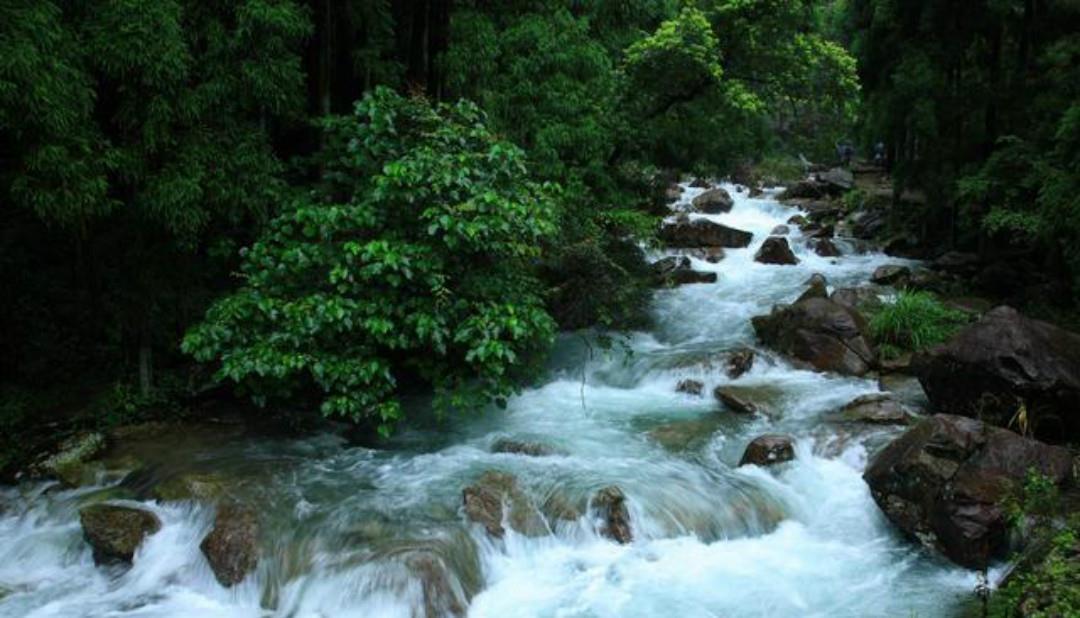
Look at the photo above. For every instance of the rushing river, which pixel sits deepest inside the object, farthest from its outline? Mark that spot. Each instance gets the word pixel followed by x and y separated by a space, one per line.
pixel 354 531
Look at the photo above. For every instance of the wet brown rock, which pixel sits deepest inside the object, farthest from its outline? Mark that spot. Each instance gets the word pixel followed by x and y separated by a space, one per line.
pixel 688 233
pixel 817 289
pixel 677 270
pixel 712 202
pixel 690 387
pixel 232 547
pixel 876 409
pixel 768 450
pixel 610 506
pixel 735 401
pixel 945 480
pixel 780 230
pixel 775 250
pixel 114 532
pixel 823 333
pixel 712 255
pixel 739 362
pixel 857 299
pixel 891 274
pixel 484 504
pixel 826 248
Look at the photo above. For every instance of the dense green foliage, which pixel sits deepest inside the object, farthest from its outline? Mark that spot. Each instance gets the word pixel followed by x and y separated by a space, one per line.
pixel 411 254
pixel 1046 581
pixel 146 142
pixel 977 103
pixel 914 321
pixel 1051 588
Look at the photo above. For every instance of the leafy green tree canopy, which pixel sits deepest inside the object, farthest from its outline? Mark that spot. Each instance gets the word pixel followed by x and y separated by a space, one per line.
pixel 412 257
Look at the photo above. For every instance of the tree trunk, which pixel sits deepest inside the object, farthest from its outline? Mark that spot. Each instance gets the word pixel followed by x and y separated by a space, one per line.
pixel 146 362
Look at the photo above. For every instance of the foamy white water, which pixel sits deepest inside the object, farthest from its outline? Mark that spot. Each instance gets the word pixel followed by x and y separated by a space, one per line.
pixel 351 531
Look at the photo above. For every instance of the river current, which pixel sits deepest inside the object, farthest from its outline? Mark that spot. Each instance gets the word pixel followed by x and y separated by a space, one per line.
pixel 372 532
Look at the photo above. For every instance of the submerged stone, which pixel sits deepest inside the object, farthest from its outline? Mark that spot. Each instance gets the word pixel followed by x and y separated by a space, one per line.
pixel 518 447
pixel 682 434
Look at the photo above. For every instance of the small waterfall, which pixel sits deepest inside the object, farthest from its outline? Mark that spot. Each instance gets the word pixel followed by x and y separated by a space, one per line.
pixel 351 531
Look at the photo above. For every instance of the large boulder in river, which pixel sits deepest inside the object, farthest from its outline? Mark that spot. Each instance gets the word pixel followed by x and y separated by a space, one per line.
pixel 609 505
pixel 945 480
pixel 232 547
pixel 713 202
pixel 703 233
pixel 768 450
pixel 818 331
pixel 494 492
pixel 115 532
pixel 1004 363
pixel 775 250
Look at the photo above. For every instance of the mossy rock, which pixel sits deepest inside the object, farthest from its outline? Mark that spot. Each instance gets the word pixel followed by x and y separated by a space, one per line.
pixel 69 463
pixel 197 487
pixel 79 473
pixel 115 531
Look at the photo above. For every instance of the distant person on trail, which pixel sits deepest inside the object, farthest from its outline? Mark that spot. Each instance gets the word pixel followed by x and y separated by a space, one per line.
pixel 845 152
pixel 879 154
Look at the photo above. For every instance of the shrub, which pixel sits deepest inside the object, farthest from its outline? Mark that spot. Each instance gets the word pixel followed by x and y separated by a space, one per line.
pixel 412 258
pixel 914 321
pixel 1049 588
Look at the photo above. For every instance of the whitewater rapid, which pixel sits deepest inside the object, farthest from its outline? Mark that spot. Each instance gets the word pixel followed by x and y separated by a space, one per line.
pixel 342 524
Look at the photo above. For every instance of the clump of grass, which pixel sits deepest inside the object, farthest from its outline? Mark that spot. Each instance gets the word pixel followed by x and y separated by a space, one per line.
pixel 913 322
